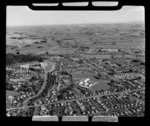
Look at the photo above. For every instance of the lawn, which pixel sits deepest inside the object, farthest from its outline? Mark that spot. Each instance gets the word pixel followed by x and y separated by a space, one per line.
pixel 101 84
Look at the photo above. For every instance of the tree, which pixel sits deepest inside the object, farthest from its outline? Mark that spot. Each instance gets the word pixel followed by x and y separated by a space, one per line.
pixel 96 77
pixel 112 81
pixel 130 70
pixel 139 78
pixel 33 78
pixel 113 43
pixel 47 53
pixel 17 52
pixel 142 63
pixel 111 73
pixel 40 60
pixel 13 58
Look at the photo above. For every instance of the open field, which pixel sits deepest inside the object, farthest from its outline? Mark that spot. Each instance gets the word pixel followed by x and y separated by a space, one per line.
pixel 11 93
pixel 97 84
pixel 101 84
pixel 82 75
pixel 41 39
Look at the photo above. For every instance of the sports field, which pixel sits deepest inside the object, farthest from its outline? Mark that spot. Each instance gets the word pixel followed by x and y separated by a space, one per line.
pixel 101 84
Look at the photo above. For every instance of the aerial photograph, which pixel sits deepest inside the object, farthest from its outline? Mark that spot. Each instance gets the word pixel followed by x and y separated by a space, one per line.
pixel 75 63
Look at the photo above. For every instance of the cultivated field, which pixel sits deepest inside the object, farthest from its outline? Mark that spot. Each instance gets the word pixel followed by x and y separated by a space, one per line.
pixel 66 38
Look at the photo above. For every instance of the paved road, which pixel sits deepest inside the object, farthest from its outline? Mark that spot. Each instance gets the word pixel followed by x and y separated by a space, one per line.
pixel 43 86
pixel 123 92
pixel 91 63
pixel 103 69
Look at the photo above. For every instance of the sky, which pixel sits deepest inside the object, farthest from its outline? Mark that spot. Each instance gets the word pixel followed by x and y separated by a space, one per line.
pixel 22 16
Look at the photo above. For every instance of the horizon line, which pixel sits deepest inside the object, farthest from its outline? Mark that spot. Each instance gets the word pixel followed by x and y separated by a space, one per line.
pixel 135 22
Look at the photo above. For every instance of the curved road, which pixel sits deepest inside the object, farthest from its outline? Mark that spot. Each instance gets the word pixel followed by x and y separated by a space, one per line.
pixel 49 69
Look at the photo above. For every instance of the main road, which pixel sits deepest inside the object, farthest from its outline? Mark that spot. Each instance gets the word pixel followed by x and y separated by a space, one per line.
pixel 49 68
pixel 70 100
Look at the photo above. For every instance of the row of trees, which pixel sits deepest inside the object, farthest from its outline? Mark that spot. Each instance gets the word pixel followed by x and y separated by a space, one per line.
pixel 21 58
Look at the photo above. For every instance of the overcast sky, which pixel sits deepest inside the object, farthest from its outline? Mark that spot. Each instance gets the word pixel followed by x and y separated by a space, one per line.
pixel 22 15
